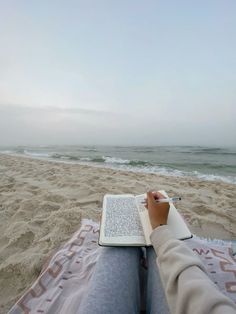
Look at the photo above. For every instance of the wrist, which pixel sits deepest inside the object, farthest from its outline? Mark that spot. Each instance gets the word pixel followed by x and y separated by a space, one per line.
pixel 154 226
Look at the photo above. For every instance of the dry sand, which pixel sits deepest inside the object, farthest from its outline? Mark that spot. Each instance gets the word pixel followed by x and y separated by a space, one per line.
pixel 42 203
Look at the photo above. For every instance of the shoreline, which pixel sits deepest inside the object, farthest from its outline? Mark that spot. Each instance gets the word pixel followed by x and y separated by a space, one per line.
pixel 42 203
pixel 199 177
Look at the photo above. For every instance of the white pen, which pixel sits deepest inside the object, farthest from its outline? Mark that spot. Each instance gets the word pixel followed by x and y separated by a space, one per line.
pixel 166 200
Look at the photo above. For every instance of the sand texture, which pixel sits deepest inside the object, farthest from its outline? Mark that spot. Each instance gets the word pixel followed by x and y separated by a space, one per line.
pixel 42 203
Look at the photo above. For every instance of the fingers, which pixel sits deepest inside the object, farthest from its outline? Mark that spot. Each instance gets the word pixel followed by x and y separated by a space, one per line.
pixel 150 198
pixel 159 195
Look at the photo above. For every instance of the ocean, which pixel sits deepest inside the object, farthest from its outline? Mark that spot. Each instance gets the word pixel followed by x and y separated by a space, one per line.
pixel 206 163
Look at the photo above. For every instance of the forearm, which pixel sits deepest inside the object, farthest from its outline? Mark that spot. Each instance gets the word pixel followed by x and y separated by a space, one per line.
pixel 187 286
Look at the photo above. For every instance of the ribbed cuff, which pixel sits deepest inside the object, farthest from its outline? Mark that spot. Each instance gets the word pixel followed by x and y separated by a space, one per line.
pixel 160 236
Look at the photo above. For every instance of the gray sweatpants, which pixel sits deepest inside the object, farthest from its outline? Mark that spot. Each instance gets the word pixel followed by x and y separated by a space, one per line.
pixel 118 280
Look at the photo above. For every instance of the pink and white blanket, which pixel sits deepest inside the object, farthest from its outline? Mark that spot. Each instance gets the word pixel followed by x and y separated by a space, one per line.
pixel 65 279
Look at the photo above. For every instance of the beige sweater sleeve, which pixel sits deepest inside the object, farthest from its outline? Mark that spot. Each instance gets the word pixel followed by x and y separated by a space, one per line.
pixel 187 287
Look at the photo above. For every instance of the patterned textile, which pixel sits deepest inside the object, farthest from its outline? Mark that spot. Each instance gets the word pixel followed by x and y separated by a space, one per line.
pixel 219 260
pixel 64 280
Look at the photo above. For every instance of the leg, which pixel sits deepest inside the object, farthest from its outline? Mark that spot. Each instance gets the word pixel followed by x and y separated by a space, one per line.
pixel 156 300
pixel 114 286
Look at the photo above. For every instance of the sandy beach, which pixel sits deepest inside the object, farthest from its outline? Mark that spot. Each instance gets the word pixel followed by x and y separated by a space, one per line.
pixel 42 204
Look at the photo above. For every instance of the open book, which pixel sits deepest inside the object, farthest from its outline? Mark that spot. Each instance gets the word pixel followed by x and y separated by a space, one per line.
pixel 125 221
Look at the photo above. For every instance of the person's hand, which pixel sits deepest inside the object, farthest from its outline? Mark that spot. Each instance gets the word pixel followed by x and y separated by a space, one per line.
pixel 158 212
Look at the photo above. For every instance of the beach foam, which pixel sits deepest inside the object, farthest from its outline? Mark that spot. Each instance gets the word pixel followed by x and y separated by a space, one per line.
pixel 205 163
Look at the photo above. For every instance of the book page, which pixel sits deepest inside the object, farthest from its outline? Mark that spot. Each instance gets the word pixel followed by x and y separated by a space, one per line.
pixel 120 221
pixel 144 217
pixel 175 221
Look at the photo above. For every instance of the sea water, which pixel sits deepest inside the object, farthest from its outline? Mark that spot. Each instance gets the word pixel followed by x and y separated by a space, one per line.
pixel 206 163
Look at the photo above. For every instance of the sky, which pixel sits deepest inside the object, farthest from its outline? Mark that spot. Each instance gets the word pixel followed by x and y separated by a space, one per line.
pixel 125 72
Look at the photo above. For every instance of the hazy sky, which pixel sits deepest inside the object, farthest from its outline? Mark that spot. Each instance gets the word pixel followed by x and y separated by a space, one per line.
pixel 118 72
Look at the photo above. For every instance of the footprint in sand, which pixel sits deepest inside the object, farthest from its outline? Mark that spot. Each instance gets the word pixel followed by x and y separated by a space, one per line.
pixel 22 241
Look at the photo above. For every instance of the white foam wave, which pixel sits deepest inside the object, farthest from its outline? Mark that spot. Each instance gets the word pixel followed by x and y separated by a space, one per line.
pixel 171 172
pixel 124 164
pixel 34 154
pixel 8 152
pixel 85 159
pixel 65 157
pixel 212 177
pixel 114 160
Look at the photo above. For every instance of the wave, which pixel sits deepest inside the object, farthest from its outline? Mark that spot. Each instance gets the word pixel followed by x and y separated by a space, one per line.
pixel 97 159
pixel 210 151
pixel 213 177
pixel 215 171
pixel 63 156
pixel 19 151
pixel 119 161
pixel 146 167
pixel 36 154
pixel 22 151
pixel 8 152
pixel 86 149
pixel 201 165
pixel 176 173
pixel 143 149
pixel 115 160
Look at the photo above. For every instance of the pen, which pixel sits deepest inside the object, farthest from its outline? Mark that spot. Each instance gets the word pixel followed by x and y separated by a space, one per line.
pixel 166 200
